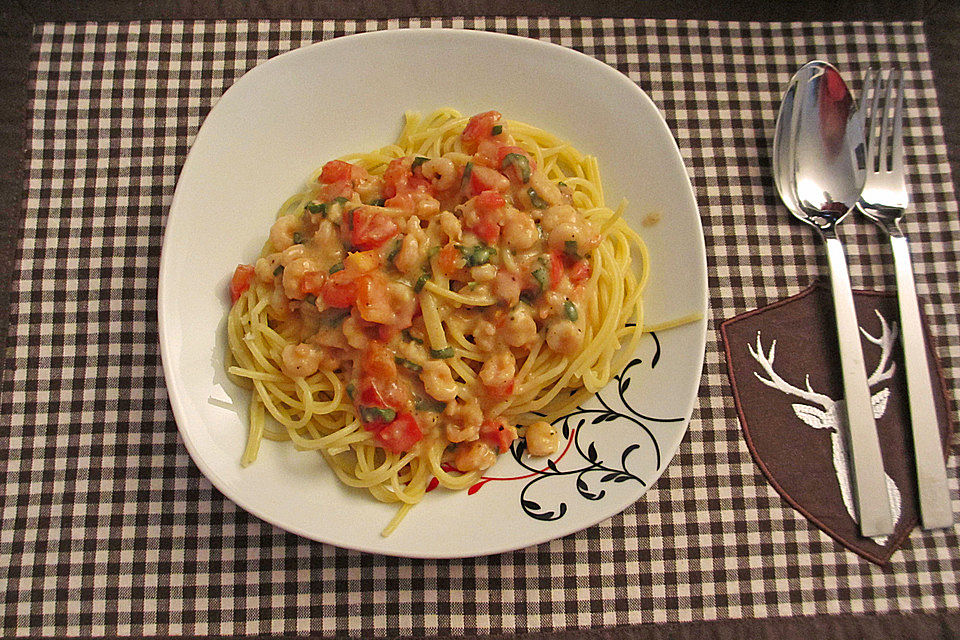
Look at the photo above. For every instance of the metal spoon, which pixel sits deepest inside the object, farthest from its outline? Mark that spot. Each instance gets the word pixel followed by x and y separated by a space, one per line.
pixel 815 168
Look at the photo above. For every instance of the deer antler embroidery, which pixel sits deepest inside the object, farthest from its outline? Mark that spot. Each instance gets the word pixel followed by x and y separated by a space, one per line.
pixel 822 412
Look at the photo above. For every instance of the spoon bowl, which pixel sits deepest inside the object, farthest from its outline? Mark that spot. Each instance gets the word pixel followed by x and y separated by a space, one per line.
pixel 818 147
pixel 829 141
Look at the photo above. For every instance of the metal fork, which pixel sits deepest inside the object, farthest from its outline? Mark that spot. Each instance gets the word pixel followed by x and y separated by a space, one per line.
pixel 884 199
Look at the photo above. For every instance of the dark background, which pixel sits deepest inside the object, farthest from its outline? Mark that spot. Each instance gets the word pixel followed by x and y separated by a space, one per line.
pixel 941 24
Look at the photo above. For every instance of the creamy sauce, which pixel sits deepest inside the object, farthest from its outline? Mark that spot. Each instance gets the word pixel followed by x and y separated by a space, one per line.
pixel 426 288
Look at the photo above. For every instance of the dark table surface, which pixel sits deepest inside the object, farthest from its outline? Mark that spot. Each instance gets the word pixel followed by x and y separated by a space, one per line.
pixel 941 25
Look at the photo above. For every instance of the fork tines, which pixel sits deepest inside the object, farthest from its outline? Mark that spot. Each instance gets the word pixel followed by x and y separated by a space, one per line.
pixel 883 128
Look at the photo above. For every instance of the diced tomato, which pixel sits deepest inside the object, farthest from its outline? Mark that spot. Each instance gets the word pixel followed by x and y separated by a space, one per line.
pixel 490 200
pixel 334 190
pixel 379 384
pixel 370 395
pixel 401 434
pixel 378 361
pixel 242 277
pixel 449 259
pixel 556 269
pixel 501 391
pixel 372 301
pixel 336 170
pixel 387 332
pixel 417 181
pixel 312 282
pixel 489 206
pixel 397 168
pixel 398 174
pixel 388 392
pixel 487 230
pixel 371 228
pixel 580 272
pixel 339 290
pixel 403 189
pixel 498 434
pixel 480 127
pixel 393 176
pixel 402 200
pixel 483 179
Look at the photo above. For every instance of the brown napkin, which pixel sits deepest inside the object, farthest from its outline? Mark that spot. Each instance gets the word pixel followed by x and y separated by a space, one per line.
pixel 791 429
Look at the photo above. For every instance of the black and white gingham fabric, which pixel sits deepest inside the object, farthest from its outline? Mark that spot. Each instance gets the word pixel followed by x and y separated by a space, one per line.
pixel 109 528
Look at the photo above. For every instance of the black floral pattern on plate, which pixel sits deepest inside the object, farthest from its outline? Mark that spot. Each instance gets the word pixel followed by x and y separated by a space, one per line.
pixel 595 471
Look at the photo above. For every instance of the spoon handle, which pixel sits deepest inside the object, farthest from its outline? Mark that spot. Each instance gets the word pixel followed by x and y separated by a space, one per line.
pixel 869 478
pixel 936 511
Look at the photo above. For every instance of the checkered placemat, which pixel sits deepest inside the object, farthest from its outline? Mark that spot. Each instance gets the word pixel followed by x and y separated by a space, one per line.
pixel 109 528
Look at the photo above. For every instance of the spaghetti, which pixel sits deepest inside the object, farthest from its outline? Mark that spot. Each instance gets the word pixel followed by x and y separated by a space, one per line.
pixel 417 308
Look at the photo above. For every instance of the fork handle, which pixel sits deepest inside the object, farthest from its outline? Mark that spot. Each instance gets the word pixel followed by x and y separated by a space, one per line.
pixel 936 511
pixel 869 478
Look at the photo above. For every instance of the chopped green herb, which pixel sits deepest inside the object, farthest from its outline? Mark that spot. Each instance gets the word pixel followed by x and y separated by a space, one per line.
pixel 340 200
pixel 432 251
pixel 467 172
pixel 419 160
pixel 571 249
pixel 535 199
pixel 297 237
pixel 519 161
pixel 410 337
pixel 278 271
pixel 429 404
pixel 314 207
pixel 337 267
pixel 446 352
pixel 351 389
pixel 377 414
pixel 527 297
pixel 476 255
pixel 497 129
pixel 413 366
pixel 570 310
pixel 333 317
pixel 379 202
pixel 420 283
pixel 395 249
pixel 561 184
pixel 542 277
pixel 482 255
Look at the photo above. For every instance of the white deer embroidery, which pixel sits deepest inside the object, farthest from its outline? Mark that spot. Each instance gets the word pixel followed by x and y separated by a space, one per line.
pixel 825 413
